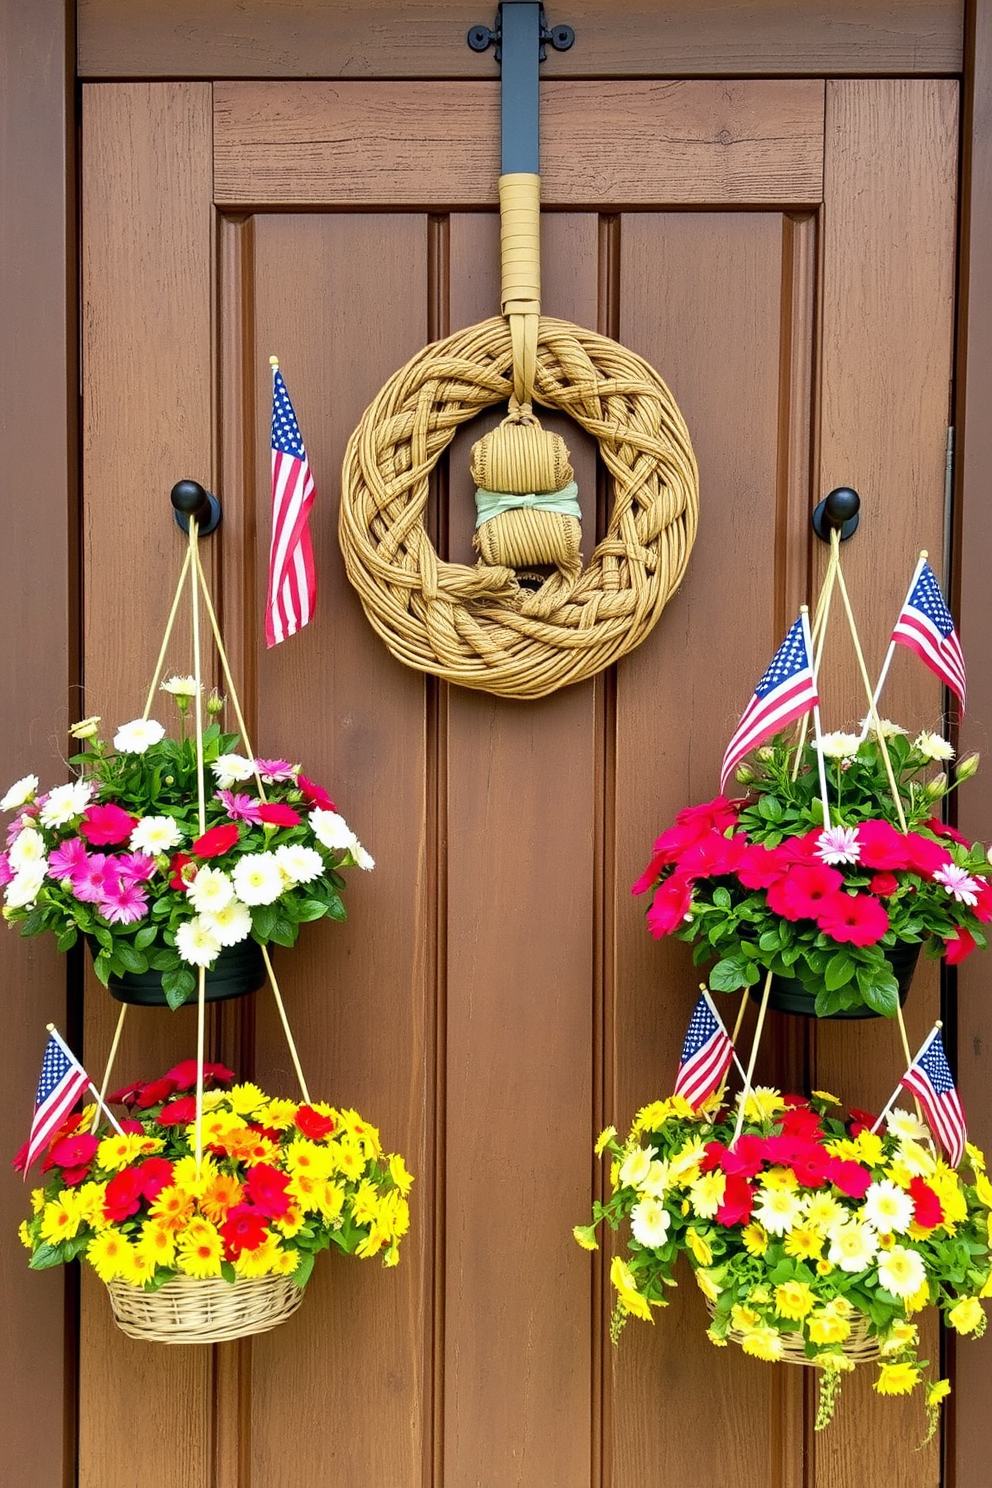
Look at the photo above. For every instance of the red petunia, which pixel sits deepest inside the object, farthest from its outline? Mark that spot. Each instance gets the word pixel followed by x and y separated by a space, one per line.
pixel 718 815
pixel 156 1091
pixel 276 814
pixel 245 1228
pixel 155 1174
pixel 850 1177
pixel 178 1112
pixel 737 1203
pixel 127 1095
pixel 941 829
pixel 854 919
pixel 650 874
pixel 106 824
pixel 982 908
pixel 314 795
pixel 959 946
pixel 882 846
pixel 216 840
pixel 926 856
pixel 132 1128
pixel 267 1189
pixel 760 866
pixel 859 1121
pixel 183 1075
pixel 122 1196
pixel 801 893
pixel 73 1151
pixel 669 906
pixel 744 1160
pixel 928 1212
pixel 712 1157
pixel 800 1121
pixel 712 856
pixel 312 1124
pixel 884 884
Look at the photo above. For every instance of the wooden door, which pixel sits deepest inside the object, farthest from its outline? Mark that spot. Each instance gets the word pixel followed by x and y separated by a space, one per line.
pixel 782 251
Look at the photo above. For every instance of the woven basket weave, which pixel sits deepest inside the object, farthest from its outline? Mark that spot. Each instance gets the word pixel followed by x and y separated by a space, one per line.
pixel 860 1346
pixel 188 1309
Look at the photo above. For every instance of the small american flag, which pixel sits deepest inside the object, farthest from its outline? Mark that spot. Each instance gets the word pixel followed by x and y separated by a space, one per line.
pixel 292 577
pixel 62 1082
pixel 706 1054
pixel 926 627
pixel 929 1078
pixel 787 690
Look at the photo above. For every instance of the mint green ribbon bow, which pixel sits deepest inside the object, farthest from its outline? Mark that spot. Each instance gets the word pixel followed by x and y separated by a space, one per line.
pixel 489 504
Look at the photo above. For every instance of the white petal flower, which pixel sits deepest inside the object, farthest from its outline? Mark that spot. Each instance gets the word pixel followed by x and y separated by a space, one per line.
pixel 838 845
pixel 330 828
pixel 27 848
pixel 778 1210
pixel 853 1246
pixel 65 802
pixel 20 793
pixel 25 886
pixel 230 768
pixel 635 1166
pixel 211 890
pixel 838 745
pixel 362 858
pixel 958 883
pixel 180 686
pixel 888 1208
pixel 138 735
pixel 905 1126
pixel 229 925
pixel 886 728
pixel 902 1271
pixel 155 834
pixel 196 942
pixel 650 1221
pixel 933 747
pixel 258 878
pixel 300 864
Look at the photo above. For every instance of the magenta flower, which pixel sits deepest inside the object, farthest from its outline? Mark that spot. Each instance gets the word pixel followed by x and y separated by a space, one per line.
pixel 123 901
pixel 856 919
pixel 6 872
pixel 275 769
pixel 712 856
pixel 136 867
pixel 670 906
pixel 802 892
pixel 87 883
pixel 107 824
pixel 240 807
pixel 68 859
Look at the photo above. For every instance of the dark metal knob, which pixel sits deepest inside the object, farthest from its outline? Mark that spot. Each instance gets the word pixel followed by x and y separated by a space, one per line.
pixel 562 37
pixel 189 499
pixel 839 511
pixel 480 37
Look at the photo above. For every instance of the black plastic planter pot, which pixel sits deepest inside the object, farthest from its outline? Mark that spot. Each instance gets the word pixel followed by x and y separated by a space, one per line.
pixel 788 995
pixel 237 971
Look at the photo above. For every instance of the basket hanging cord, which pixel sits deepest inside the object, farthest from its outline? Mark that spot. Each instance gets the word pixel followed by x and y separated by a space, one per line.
pixel 520 266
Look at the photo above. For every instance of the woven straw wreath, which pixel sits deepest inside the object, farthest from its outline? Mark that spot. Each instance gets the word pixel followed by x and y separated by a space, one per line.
pixel 477 626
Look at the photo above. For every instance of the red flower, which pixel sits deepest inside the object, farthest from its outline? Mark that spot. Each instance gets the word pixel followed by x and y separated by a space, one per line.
pixel 314 795
pixel 737 1203
pixel 178 1112
pixel 746 1158
pixel 132 1128
pixel 669 906
pixel 275 814
pixel 712 1157
pixel 884 884
pixel 850 1177
pixel 312 1124
pixel 982 909
pixel 941 829
pixel 926 856
pixel 959 945
pixel 245 1228
pixel 760 866
pixel 802 892
pixel 807 1159
pixel 123 1194
pixel 718 815
pixel 156 1091
pixel 928 1211
pixel 155 1174
pixel 647 878
pixel 74 1151
pixel 267 1189
pixel 712 856
pixel 216 840
pixel 801 1122
pixel 183 1075
pixel 178 863
pixel 856 919
pixel 882 846
pixel 105 824
pixel 127 1095
pixel 859 1121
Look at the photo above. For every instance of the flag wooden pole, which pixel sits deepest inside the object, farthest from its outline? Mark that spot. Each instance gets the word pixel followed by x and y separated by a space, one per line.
pixel 156 675
pixel 713 1009
pixel 909 1065
pixel 883 674
pixel 749 1076
pixel 821 616
pixel 804 612
pixel 100 1094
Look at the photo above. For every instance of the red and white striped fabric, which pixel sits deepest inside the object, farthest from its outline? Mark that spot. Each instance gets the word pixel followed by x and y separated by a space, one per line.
pixel 292 576
pixel 62 1082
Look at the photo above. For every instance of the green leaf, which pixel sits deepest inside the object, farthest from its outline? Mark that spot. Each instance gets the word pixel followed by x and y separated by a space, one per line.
pixel 145 936
pixel 104 936
pixel 129 958
pixel 46 1255
pixel 263 919
pixel 770 808
pixel 178 985
pixel 36 921
pixel 228 1272
pixel 101 966
pixel 335 908
pixel 879 989
pixel 66 938
pixel 303 1269
pixel 721 898
pixel 315 909
pixel 770 941
pixel 838 970
pixel 730 974
pixel 164 959
pixel 284 932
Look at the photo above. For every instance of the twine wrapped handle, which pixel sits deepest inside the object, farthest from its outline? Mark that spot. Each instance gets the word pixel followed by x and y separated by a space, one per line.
pixel 520 259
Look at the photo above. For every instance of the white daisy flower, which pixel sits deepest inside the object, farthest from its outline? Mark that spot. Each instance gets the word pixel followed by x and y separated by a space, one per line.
pixel 650 1221
pixel 658 1180
pixel 66 802
pixel 300 864
pixel 258 878
pixel 196 942
pixel 25 886
pixel 635 1166
pixel 838 845
pixel 27 849
pixel 363 859
pixel 180 686
pixel 853 1246
pixel 230 768
pixel 155 834
pixel 905 1126
pixel 330 828
pixel 902 1271
pixel 957 881
pixel 20 793
pixel 778 1210
pixel 838 745
pixel 933 747
pixel 210 891
pixel 138 735
pixel 886 728
pixel 888 1208
pixel 229 925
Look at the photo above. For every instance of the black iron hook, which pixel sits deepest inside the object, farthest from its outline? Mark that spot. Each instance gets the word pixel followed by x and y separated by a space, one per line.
pixel 189 499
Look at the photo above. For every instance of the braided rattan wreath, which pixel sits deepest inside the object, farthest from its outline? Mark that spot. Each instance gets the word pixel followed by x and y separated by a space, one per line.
pixel 477 626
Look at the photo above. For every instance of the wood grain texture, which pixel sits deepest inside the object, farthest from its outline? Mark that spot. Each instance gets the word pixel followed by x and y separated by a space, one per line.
pixel 888 286
pixel 968 1445
pixel 426 38
pixel 38 596
pixel 147 354
pixel 631 143
pixel 360 995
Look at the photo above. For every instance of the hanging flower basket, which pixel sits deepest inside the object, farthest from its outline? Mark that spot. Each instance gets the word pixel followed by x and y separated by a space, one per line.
pixel 201 1251
pixel 814 1239
pixel 237 971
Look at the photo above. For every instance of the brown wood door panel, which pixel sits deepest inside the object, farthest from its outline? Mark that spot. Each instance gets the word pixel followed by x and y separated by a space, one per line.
pixel 494 997
pixel 436 145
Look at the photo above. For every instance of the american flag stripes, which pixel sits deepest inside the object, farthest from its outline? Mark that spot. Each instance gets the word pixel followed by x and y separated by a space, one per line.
pixel 706 1053
pixel 787 690
pixel 292 577
pixel 926 627
pixel 62 1082
pixel 929 1078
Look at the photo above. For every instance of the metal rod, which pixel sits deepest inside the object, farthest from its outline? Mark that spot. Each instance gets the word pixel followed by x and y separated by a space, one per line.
pixel 520 67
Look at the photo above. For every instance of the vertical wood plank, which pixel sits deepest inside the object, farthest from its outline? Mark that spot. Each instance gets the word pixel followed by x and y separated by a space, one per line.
pixel 351 310
pixel 702 297
pixel 891 163
pixel 147 354
pixel 38 596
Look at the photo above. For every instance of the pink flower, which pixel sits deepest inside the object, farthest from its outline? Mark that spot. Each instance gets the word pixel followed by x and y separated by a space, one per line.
pixel 712 856
pixel 850 1177
pixel 958 882
pixel 801 893
pixel 67 859
pixel 136 867
pixel 983 900
pixel 106 824
pixel 276 814
pixel 856 919
pixel 838 845
pixel 315 795
pixel 216 840
pixel 760 866
pixel 240 807
pixel 941 829
pixel 87 883
pixel 737 1203
pixel 274 769
pixel 123 902
pixel 6 872
pixel 647 878
pixel 925 856
pixel 884 884
pixel 959 945
pixel 670 906
pixel 883 847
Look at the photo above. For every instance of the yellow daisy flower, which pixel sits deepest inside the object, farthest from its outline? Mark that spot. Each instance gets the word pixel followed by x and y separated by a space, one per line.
pixel 804 1243
pixel 699 1247
pixel 967 1316
pixel 398 1173
pixel 603 1140
pixel 896 1379
pixel 118 1152
pixel 794 1299
pixel 107 1254
pixel 629 1297
pixel 763 1343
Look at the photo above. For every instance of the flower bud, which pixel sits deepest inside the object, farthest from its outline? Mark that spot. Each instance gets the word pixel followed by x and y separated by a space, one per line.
pixel 967 767
pixel 744 775
pixel 87 728
pixel 215 703
pixel 935 788
pixel 765 753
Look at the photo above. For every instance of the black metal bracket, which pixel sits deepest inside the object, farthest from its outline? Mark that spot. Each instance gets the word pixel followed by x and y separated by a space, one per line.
pixel 837 512
pixel 189 499
pixel 481 38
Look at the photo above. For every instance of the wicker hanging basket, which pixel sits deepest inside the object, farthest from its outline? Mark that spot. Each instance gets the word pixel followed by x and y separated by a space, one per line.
pixel 209 1310
pixel 860 1346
